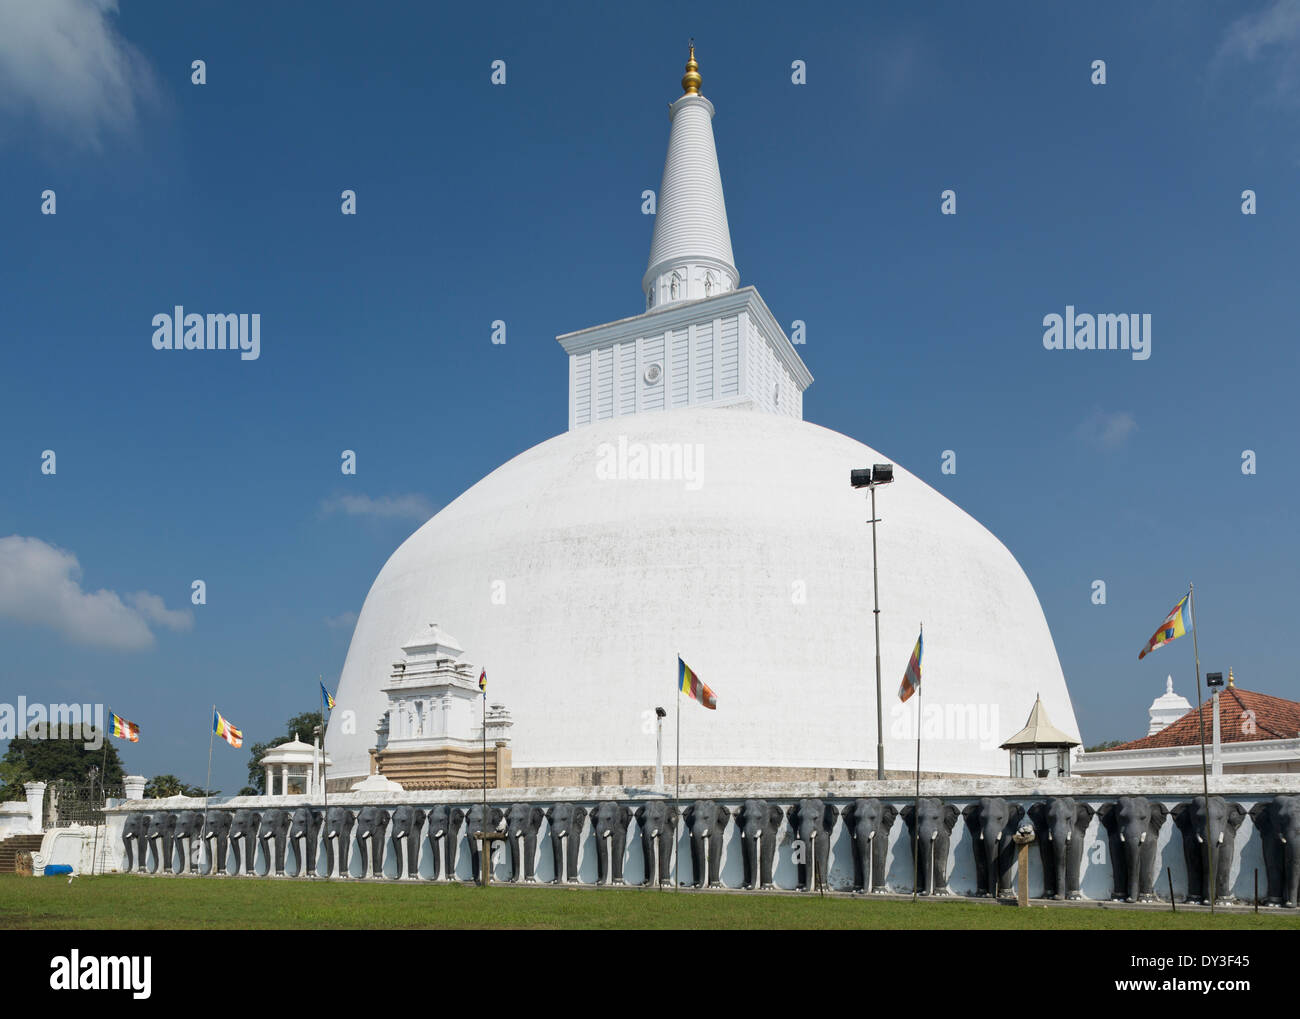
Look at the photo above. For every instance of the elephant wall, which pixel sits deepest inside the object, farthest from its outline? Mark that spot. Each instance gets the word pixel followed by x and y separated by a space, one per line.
pixel 1096 870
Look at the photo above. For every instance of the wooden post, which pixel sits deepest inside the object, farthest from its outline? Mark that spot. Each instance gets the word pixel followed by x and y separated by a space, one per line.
pixel 485 855
pixel 1023 839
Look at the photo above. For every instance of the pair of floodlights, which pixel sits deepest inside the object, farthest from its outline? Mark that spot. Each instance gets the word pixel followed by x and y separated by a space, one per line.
pixel 870 477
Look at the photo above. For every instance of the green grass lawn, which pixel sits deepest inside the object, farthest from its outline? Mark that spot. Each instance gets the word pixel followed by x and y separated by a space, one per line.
pixel 133 902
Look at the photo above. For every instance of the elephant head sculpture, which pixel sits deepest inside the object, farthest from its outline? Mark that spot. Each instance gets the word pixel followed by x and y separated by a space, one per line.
pixel 523 822
pixel 162 831
pixel 609 824
pixel 992 821
pixel 1133 825
pixel 216 835
pixel 407 830
pixel 305 825
pixel 657 820
pixel 1278 823
pixel 929 825
pixel 243 839
pixel 135 833
pixel 187 835
pixel 339 822
pixel 273 836
pixel 444 826
pixel 811 823
pixel 759 823
pixel 869 822
pixel 372 830
pixel 1061 828
pixel 1219 825
pixel 706 824
pixel 565 824
pixel 473 825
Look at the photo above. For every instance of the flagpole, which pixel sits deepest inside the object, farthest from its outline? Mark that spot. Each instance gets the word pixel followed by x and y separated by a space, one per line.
pixel 94 851
pixel 677 776
pixel 916 803
pixel 1200 718
pixel 203 833
pixel 324 784
pixel 487 846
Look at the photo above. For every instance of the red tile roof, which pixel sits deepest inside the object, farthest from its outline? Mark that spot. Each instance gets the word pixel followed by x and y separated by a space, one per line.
pixel 1243 716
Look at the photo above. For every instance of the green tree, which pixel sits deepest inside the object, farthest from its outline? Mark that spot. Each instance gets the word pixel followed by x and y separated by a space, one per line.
pixel 161 786
pixel 300 725
pixel 31 758
pixel 1107 745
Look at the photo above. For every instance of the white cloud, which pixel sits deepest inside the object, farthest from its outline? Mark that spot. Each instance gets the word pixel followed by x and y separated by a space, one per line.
pixel 64 63
pixel 1106 429
pixel 41 584
pixel 1269 39
pixel 343 621
pixel 391 507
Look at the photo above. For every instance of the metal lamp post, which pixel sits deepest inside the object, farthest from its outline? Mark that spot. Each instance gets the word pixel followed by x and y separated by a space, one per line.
pixel 659 747
pixel 871 478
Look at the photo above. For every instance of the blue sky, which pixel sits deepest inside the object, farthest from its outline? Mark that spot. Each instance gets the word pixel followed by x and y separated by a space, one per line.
pixel 522 203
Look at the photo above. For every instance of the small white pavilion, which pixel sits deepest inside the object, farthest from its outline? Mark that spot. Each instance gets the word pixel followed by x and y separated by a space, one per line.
pixel 296 765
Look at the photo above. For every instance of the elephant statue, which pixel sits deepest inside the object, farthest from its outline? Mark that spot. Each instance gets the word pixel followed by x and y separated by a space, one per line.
pixel 929 824
pixel 444 826
pixel 1133 825
pixel 305 825
pixel 565 822
pixel 338 830
pixel 162 831
pixel 811 822
pixel 1278 823
pixel 135 831
pixel 474 825
pixel 408 830
pixel 187 835
pixel 216 836
pixel 372 829
pixel 274 834
pixel 609 824
pixel 869 822
pixel 758 822
pixel 243 839
pixel 992 821
pixel 1061 829
pixel 523 822
pixel 1225 818
pixel 706 822
pixel 657 820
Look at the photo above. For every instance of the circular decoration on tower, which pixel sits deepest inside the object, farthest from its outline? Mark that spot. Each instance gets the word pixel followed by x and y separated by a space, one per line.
pixel 653 373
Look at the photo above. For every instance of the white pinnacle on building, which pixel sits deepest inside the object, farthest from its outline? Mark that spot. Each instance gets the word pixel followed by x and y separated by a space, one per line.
pixel 690 509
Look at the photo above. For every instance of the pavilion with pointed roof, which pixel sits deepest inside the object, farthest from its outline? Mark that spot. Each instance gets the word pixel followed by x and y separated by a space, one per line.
pixel 1039 749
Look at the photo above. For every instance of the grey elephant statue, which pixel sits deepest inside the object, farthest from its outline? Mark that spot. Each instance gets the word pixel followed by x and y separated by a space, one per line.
pixel 1278 823
pixel 869 822
pixel 243 840
pixel 706 824
pixel 339 822
pixel 657 820
pixel 992 821
pixel 162 831
pixel 811 823
pixel 408 831
pixel 474 824
pixel 1224 818
pixel 444 828
pixel 304 833
pixel 135 832
pixel 565 822
pixel 187 835
pixel 523 822
pixel 609 824
pixel 372 831
pixel 1061 831
pixel 929 832
pixel 216 836
pixel 759 823
pixel 1133 826
pixel 273 836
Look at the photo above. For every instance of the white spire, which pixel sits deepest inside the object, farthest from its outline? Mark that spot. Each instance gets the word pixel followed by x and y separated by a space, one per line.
pixel 690 253
pixel 1167 708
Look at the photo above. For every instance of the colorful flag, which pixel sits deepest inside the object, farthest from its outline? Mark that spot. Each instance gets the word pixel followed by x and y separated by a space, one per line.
pixel 1177 623
pixel 691 685
pixel 325 696
pixel 912 677
pixel 123 729
pixel 233 736
pixel 482 680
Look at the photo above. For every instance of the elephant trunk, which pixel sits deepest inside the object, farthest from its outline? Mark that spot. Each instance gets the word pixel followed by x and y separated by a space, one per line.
pixel 1061 866
pixel 749 857
pixel 1290 871
pixel 1133 871
pixel 992 859
pixel 810 867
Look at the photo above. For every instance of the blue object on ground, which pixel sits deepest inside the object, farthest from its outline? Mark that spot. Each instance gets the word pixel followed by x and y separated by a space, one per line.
pixel 58 868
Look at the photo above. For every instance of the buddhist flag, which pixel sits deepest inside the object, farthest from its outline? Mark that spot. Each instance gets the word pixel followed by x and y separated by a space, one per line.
pixel 694 687
pixel 226 731
pixel 1177 623
pixel 325 696
pixel 482 681
pixel 912 677
pixel 123 729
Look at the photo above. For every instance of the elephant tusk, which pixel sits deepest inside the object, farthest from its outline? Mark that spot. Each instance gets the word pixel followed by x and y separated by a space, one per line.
pixel 981 836
pixel 1200 838
pixel 933 835
pixel 1069 835
pixel 1122 838
pixel 870 835
pixel 1282 839
pixel 1049 837
pixel 1142 838
pixel 1221 834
